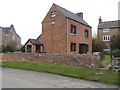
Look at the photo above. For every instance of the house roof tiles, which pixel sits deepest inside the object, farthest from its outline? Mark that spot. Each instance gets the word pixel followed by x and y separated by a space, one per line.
pixel 35 42
pixel 109 24
pixel 72 16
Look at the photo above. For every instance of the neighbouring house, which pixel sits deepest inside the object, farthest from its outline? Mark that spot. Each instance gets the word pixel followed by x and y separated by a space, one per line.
pixel 106 30
pixel 64 32
pixel 9 37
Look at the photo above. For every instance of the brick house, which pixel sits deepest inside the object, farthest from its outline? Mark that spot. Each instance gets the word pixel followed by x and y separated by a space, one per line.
pixel 106 30
pixel 65 32
pixel 9 37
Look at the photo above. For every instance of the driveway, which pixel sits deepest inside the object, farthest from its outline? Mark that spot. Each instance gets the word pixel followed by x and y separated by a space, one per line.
pixel 15 78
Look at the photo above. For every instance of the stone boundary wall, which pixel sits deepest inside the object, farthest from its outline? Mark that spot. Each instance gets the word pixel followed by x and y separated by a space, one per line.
pixel 68 59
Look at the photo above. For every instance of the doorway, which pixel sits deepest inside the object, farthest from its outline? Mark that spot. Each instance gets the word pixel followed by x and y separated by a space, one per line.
pixel 83 48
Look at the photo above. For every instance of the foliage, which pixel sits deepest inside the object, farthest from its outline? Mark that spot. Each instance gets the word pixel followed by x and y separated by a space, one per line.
pixel 115 42
pixel 67 70
pixel 116 53
pixel 97 46
pixel 4 49
pixel 105 61
pixel 23 49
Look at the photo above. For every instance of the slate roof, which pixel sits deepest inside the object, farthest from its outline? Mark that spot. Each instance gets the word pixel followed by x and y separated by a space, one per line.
pixel 6 30
pixel 35 42
pixel 72 16
pixel 109 24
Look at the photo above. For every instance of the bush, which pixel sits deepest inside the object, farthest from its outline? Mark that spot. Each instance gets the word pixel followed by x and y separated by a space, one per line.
pixel 97 46
pixel 116 53
pixel 115 42
pixel 23 49
pixel 4 49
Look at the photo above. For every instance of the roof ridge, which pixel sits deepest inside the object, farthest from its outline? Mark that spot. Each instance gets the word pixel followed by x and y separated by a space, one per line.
pixel 111 21
pixel 65 9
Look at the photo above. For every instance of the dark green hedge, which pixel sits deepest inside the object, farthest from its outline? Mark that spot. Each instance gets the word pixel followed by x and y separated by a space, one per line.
pixel 116 53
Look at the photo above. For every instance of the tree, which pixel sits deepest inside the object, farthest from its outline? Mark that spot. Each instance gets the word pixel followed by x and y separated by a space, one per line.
pixel 115 42
pixel 23 49
pixel 4 49
pixel 97 46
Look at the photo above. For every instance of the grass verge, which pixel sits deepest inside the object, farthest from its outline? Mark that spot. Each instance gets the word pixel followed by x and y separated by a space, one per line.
pixel 0 63
pixel 67 70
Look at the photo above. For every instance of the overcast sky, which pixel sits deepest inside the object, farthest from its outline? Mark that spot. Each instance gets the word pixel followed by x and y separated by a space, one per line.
pixel 27 15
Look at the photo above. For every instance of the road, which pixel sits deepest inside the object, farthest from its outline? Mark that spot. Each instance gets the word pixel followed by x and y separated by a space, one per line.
pixel 15 78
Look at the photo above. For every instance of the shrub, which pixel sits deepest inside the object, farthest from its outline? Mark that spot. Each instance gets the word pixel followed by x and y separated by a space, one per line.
pixel 23 49
pixel 4 49
pixel 116 53
pixel 115 42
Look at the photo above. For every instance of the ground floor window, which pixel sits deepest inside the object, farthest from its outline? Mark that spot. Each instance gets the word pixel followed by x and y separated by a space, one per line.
pixel 107 48
pixel 73 46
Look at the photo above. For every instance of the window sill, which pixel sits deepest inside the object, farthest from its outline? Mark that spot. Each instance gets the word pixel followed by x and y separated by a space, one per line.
pixel 73 34
pixel 106 41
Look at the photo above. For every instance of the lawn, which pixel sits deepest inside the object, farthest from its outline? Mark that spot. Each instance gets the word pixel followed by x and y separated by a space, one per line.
pixel 0 63
pixel 67 70
pixel 105 60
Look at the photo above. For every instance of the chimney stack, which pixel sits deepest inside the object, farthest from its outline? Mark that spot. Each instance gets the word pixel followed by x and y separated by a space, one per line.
pixel 100 20
pixel 80 14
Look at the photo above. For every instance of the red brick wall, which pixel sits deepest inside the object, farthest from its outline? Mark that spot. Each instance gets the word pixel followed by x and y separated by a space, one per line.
pixel 54 36
pixel 79 36
pixel 33 47
pixel 68 59
pixel 57 37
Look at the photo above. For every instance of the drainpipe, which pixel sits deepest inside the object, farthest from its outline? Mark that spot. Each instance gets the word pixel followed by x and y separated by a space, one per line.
pixel 67 35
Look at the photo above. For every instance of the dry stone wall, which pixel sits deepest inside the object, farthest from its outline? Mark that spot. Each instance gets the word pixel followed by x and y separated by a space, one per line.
pixel 68 59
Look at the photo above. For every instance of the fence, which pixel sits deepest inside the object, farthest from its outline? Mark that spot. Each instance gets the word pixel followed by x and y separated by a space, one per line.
pixel 116 64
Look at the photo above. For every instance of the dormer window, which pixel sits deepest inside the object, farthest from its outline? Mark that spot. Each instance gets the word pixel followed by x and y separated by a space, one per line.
pixel 53 14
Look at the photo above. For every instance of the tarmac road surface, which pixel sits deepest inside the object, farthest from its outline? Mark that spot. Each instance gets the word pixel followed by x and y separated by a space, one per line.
pixel 15 78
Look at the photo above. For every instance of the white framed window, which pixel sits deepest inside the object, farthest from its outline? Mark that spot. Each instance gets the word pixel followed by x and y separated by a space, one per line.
pixel 53 14
pixel 106 38
pixel 106 30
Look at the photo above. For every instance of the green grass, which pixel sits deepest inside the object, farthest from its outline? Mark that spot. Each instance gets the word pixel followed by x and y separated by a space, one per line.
pixel 0 63
pixel 105 60
pixel 66 70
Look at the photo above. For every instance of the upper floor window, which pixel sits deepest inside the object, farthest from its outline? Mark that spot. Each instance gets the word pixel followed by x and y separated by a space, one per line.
pixel 53 14
pixel 106 30
pixel 86 33
pixel 73 46
pixel 106 38
pixel 73 29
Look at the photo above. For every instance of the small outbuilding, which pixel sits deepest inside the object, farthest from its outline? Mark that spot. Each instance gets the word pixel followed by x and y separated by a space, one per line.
pixel 34 46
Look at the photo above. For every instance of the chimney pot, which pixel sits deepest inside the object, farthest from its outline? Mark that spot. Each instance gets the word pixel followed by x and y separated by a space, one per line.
pixel 80 14
pixel 100 20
